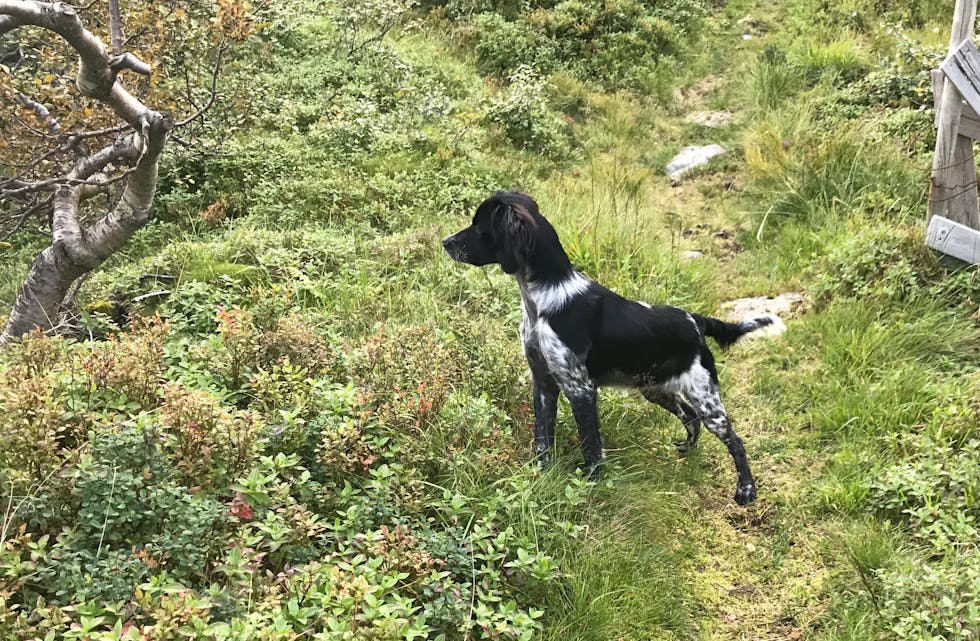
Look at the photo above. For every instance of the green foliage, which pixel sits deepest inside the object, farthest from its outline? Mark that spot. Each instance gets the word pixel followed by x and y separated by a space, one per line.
pixel 893 264
pixel 619 44
pixel 771 81
pixel 524 114
pixel 903 79
pixel 936 490
pixel 916 13
pixel 325 433
pixel 812 176
pixel 927 600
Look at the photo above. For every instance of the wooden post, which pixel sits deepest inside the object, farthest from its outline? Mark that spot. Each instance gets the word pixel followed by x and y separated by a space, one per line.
pixel 953 192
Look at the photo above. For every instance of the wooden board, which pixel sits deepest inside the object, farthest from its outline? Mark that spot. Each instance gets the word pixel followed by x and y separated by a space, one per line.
pixel 969 119
pixel 954 239
pixel 962 68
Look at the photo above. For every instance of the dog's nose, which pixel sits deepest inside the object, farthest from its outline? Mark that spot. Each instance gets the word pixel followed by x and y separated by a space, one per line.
pixel 447 241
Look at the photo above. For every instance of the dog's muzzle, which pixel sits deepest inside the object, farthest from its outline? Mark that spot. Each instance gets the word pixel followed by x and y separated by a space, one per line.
pixel 454 248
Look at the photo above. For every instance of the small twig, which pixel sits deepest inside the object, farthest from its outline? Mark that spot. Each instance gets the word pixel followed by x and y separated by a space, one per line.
pixel 26 214
pixel 51 183
pixel 73 292
pixel 146 277
pixel 107 508
pixel 214 87
pixel 142 298
pixel 42 113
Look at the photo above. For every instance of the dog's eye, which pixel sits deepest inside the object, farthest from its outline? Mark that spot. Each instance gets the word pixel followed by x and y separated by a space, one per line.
pixel 485 236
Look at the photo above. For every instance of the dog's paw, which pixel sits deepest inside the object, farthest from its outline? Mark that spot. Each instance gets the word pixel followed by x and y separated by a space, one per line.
pixel 684 446
pixel 595 471
pixel 541 461
pixel 745 494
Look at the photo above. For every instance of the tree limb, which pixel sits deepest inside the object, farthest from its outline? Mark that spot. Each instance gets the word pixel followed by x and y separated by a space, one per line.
pixel 129 61
pixel 42 113
pixel 214 87
pixel 115 24
pixel 96 76
pixel 8 23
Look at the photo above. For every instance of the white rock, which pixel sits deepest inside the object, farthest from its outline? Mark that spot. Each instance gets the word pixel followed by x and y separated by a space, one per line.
pixel 712 119
pixel 692 254
pixel 783 305
pixel 691 157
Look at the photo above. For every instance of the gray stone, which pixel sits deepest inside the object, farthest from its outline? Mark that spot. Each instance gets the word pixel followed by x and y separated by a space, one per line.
pixel 713 119
pixel 784 305
pixel 691 157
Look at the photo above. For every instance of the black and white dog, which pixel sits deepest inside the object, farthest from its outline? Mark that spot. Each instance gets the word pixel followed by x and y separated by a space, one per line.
pixel 578 335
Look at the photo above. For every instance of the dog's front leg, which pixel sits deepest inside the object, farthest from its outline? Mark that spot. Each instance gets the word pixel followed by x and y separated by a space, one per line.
pixel 585 409
pixel 545 406
pixel 570 372
pixel 545 412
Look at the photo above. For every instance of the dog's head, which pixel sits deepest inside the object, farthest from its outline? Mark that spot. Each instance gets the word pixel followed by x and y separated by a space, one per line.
pixel 504 230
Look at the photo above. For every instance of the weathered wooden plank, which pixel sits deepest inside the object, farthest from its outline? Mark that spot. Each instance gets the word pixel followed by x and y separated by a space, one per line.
pixel 969 119
pixel 962 68
pixel 954 239
pixel 961 204
pixel 943 199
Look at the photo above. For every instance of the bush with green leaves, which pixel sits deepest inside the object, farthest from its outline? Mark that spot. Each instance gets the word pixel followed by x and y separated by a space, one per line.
pixel 892 264
pixel 618 45
pixel 525 117
pixel 937 490
pixel 932 601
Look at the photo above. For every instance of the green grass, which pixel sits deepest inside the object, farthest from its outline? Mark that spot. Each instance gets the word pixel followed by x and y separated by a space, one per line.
pixel 815 196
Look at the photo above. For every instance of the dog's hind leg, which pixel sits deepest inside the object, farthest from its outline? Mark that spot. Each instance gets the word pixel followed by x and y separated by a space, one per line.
pixel 709 407
pixel 700 387
pixel 682 410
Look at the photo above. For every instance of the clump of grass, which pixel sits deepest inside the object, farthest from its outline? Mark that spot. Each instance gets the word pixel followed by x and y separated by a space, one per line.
pixel 843 61
pixel 813 177
pixel 771 81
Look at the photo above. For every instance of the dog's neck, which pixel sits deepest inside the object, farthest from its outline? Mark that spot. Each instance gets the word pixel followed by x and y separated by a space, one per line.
pixel 548 262
pixel 548 281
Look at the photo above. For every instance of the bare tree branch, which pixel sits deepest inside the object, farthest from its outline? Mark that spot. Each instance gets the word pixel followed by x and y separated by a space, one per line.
pixel 42 113
pixel 8 23
pixel 214 87
pixel 115 24
pixel 129 61
pixel 96 78
pixel 20 218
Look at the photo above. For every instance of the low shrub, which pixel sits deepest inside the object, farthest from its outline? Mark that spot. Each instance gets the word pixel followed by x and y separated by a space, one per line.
pixel 523 113
pixel 619 45
pixel 892 264
pixel 208 444
pixel 42 421
pixel 932 601
pixel 936 491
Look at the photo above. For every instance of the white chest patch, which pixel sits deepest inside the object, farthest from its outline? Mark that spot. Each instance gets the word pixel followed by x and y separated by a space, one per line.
pixel 548 298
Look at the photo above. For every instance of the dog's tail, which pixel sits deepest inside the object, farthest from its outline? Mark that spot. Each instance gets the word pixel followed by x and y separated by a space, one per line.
pixel 727 333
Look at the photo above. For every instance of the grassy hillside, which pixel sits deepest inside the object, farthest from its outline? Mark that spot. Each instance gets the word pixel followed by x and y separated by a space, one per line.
pixel 323 431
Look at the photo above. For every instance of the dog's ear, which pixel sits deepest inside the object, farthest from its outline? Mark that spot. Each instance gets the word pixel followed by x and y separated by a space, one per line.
pixel 516 232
